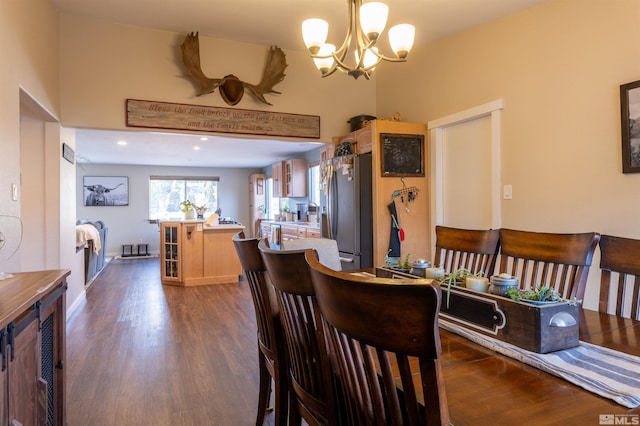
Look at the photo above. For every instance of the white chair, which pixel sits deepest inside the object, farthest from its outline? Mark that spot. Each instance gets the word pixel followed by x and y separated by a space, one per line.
pixel 327 250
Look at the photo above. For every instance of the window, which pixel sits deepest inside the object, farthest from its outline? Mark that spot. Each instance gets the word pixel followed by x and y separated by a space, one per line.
pixel 167 192
pixel 314 184
pixel 273 203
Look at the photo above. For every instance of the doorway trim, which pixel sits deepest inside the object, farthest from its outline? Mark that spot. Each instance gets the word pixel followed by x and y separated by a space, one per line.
pixel 436 130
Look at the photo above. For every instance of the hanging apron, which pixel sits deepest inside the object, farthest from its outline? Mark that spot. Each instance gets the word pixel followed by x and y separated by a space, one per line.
pixel 396 232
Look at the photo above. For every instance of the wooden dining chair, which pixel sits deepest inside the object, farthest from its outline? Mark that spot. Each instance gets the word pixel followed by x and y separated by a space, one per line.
pixel 311 396
pixel 472 249
pixel 376 328
pixel 559 261
pixel 271 341
pixel 620 258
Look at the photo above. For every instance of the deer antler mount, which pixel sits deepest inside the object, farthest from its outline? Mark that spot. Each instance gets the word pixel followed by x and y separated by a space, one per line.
pixel 231 87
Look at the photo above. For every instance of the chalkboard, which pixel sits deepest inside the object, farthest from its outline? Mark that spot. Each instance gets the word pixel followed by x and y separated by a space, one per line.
pixel 402 155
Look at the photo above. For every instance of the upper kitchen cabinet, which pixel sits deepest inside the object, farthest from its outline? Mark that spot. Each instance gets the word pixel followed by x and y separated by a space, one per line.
pixel 361 140
pixel 276 177
pixel 290 178
pixel 326 153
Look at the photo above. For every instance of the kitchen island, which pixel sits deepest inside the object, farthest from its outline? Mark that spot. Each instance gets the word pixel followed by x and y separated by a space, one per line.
pixel 193 253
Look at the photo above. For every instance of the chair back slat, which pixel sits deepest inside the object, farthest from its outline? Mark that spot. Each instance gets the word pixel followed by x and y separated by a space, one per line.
pixel 310 373
pixel 369 322
pixel 472 249
pixel 559 261
pixel 620 258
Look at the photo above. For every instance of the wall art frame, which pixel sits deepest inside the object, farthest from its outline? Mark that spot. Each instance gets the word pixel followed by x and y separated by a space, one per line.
pixel 105 191
pixel 630 121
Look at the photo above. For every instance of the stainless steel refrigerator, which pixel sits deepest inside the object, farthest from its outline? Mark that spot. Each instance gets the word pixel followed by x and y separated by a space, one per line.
pixel 347 216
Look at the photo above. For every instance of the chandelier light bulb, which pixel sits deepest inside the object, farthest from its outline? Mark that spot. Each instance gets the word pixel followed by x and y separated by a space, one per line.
pixel 314 33
pixel 370 58
pixel 373 18
pixel 401 39
pixel 325 64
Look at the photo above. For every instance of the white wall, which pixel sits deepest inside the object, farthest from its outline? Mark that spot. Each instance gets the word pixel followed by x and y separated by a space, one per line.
pixel 130 225
pixel 103 64
pixel 558 67
pixel 29 46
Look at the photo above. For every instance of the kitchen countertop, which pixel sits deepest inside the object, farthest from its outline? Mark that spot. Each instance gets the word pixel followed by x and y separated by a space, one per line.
pixel 307 224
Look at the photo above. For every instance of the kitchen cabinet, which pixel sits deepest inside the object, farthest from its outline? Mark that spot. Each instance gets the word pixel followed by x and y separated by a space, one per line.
pixel 290 178
pixel 326 153
pixel 295 178
pixel 312 233
pixel 195 254
pixel 276 177
pixel 32 331
pixel 169 251
pixel 257 199
pixel 361 140
pixel 288 233
pixel 293 231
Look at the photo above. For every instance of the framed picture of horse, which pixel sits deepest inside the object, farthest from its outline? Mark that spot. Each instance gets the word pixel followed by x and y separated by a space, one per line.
pixel 106 190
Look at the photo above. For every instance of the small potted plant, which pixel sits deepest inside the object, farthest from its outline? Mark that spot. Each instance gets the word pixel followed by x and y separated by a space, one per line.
pixel 262 210
pixel 405 266
pixel 187 209
pixel 287 214
pixel 539 296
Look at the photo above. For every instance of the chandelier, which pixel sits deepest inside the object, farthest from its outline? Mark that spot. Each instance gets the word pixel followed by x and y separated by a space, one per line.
pixel 366 23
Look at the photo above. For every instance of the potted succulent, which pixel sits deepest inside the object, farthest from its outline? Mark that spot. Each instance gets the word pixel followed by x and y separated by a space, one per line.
pixel 538 296
pixel 187 208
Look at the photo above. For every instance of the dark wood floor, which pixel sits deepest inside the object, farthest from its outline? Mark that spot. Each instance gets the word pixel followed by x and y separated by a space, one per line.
pixel 140 353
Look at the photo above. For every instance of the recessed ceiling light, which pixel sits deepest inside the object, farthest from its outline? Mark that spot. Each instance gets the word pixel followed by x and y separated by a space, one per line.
pixel 204 138
pixel 122 143
pixel 196 148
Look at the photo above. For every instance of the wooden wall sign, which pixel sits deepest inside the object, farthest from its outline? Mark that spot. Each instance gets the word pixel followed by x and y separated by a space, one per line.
pixel 173 116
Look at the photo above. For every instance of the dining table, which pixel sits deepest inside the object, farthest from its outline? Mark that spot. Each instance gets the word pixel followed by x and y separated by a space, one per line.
pixel 484 387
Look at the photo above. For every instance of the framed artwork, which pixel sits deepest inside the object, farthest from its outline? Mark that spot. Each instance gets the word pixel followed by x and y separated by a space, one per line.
pixel 401 155
pixel 106 190
pixel 630 117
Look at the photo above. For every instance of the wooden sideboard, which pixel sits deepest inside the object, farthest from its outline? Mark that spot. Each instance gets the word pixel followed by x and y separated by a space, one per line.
pixel 32 332
pixel 195 254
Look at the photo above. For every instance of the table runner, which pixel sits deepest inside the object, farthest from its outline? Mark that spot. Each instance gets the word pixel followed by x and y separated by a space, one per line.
pixel 606 372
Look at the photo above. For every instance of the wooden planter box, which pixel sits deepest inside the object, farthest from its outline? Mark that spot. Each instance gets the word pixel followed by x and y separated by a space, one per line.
pixel 537 328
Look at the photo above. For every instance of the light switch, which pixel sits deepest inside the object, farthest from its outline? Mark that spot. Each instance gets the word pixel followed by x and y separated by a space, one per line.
pixel 507 192
pixel 14 192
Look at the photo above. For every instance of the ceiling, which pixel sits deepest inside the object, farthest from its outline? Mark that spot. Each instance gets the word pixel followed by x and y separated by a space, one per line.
pixel 259 22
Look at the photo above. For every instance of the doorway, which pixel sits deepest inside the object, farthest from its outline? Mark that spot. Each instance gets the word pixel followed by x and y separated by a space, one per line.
pixel 465 168
pixel 38 195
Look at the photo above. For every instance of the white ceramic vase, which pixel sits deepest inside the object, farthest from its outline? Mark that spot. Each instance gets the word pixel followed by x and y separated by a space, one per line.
pixel 190 214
